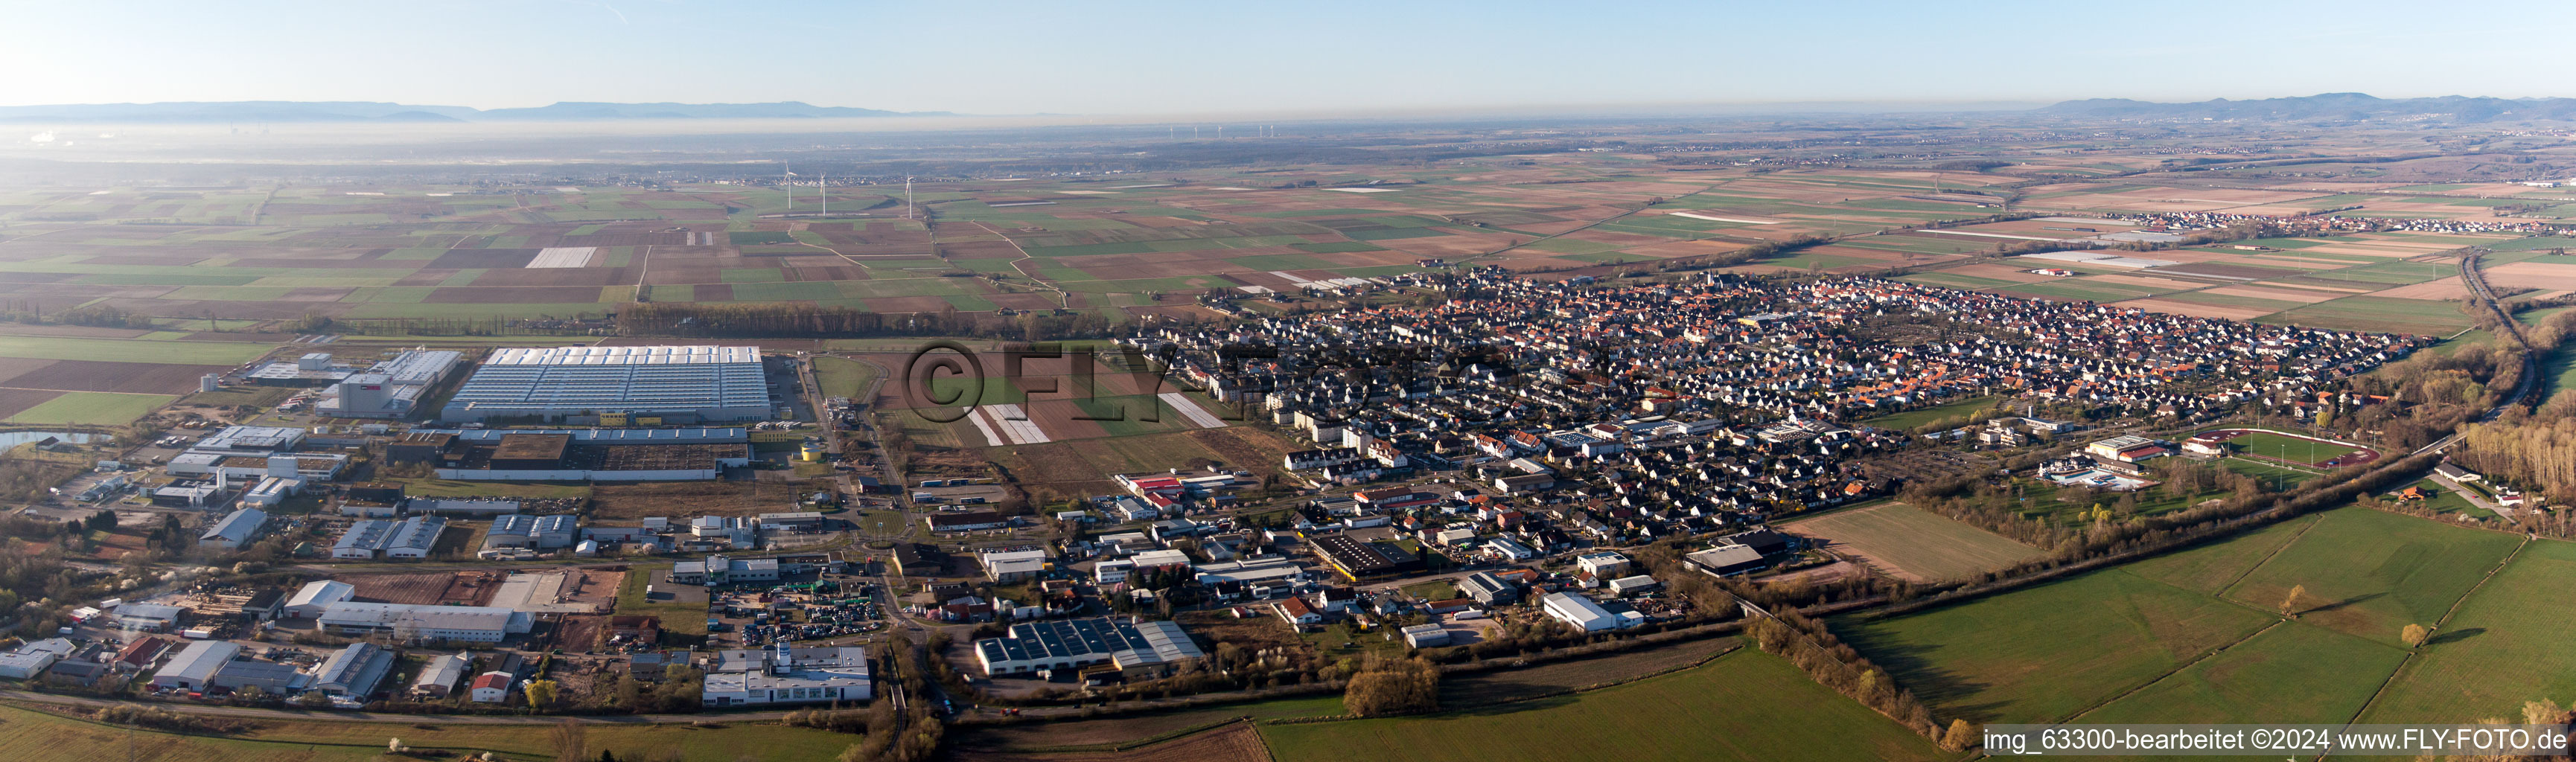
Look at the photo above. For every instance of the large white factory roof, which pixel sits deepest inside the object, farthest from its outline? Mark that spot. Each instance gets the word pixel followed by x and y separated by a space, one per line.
pixel 622 355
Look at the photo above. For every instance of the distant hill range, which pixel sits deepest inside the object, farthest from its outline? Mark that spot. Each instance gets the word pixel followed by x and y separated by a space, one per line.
pixel 316 111
pixel 2339 107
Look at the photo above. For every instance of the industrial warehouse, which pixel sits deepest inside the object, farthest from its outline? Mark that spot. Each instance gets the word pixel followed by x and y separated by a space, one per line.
pixel 581 454
pixel 579 385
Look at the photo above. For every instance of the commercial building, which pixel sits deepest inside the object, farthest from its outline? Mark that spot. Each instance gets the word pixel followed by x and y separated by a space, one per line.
pixel 1077 643
pixel 578 455
pixel 719 570
pixel 235 530
pixel 578 384
pixel 1584 613
pixel 408 621
pixel 391 389
pixel 354 671
pixel 1489 590
pixel 195 667
pixel 413 537
pixel 26 660
pixel 146 617
pixel 439 677
pixel 785 675
pixel 1357 559
pixel 267 676
pixel 309 601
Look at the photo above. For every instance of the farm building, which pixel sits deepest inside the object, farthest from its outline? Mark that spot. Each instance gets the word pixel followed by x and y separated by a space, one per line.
pixel 1076 643
pixel 576 384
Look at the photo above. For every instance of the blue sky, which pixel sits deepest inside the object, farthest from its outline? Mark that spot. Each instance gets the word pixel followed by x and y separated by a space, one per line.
pixel 1275 57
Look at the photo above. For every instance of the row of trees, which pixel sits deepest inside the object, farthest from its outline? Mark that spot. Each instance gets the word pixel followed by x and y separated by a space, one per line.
pixel 1833 664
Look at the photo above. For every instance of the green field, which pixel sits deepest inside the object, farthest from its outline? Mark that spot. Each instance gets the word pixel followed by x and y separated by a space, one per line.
pixel 2507 644
pixel 843 377
pixel 2293 449
pixel 1912 418
pixel 2045 653
pixel 93 408
pixel 2290 673
pixel 2377 314
pixel 130 350
pixel 2369 573
pixel 2211 568
pixel 1746 705
pixel 683 618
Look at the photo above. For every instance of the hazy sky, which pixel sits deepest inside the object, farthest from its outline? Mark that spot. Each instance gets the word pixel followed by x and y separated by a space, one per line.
pixel 1297 55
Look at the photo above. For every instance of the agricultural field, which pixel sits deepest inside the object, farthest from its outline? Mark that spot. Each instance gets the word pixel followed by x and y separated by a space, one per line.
pixel 2368 573
pixel 1745 705
pixel 1908 542
pixel 2051 651
pixel 2197 635
pixel 2505 645
pixel 45 737
pixel 406 254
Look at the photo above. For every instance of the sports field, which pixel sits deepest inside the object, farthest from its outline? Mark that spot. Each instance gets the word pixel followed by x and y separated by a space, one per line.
pixel 1746 705
pixel 1908 542
pixel 2302 450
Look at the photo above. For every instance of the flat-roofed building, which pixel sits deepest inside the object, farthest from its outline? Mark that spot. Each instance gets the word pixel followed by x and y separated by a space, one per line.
pixel 1584 613
pixel 407 621
pixel 784 675
pixel 1077 643
pixel 683 384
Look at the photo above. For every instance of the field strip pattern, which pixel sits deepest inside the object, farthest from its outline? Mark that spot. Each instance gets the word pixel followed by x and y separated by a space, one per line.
pixel 1015 424
pixel 1191 410
pixel 1986 235
pixel 562 257
pixel 1738 220
pixel 976 415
